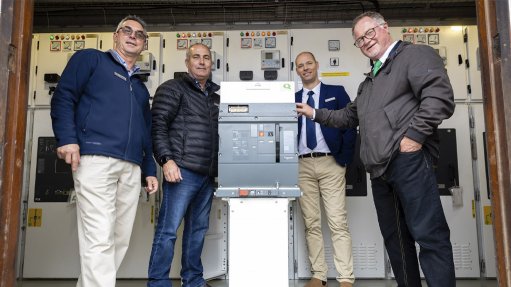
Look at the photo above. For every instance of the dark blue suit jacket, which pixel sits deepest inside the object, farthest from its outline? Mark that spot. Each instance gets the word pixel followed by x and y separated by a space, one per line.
pixel 341 142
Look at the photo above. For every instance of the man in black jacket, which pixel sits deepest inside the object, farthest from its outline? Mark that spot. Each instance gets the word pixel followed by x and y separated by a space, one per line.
pixel 398 108
pixel 185 144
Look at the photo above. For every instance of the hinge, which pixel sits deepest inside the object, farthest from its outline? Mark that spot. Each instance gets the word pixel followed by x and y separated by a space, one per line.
pixel 34 94
pixel 292 38
pixel 163 43
pixel 295 266
pixel 37 45
pixel 163 68
pixel 482 265
pixel 469 89
pixel 227 42
pixel 36 70
pixel 477 196
pixel 100 44
pixel 465 36
pixel 467 63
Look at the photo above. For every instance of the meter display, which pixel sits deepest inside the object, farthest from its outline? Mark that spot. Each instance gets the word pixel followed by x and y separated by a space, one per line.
pixel 270 59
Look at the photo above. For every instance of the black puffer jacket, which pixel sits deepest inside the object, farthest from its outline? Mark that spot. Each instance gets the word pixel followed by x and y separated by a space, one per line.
pixel 185 125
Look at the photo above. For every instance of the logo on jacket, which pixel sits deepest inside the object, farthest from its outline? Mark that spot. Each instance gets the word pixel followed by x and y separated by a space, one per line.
pixel 120 76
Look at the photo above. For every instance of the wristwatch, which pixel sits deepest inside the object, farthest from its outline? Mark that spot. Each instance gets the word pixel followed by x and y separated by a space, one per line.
pixel 164 159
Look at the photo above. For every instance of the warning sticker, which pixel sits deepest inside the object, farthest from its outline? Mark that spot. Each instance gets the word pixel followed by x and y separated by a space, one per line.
pixel 35 217
pixel 487 215
pixel 335 74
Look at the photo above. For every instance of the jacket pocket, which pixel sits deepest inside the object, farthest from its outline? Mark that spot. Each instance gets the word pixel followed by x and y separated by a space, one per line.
pixel 391 117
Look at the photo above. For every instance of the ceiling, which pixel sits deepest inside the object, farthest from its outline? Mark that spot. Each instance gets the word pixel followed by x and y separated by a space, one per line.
pixel 171 14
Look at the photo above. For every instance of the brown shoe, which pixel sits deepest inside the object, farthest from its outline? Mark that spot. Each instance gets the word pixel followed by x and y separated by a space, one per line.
pixel 346 284
pixel 315 282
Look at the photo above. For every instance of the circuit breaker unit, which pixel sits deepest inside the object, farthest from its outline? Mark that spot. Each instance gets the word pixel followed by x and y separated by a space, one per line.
pixel 258 177
pixel 258 131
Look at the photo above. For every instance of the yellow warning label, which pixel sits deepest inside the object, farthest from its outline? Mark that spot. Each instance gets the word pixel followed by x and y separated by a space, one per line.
pixel 487 215
pixel 35 217
pixel 335 74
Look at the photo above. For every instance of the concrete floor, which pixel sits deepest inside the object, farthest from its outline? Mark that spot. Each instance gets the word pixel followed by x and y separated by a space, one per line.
pixel 225 283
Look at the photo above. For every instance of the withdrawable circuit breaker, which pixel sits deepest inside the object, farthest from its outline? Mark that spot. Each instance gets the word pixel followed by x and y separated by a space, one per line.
pixel 258 132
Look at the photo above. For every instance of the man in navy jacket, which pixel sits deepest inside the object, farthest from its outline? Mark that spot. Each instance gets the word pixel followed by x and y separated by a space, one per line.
pixel 102 124
pixel 324 154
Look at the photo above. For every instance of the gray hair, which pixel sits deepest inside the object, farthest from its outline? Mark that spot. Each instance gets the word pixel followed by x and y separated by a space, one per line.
pixel 371 14
pixel 133 18
pixel 189 51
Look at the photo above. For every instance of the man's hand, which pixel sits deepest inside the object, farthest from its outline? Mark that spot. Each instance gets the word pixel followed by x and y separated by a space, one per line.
pixel 71 154
pixel 172 172
pixel 152 184
pixel 409 145
pixel 305 110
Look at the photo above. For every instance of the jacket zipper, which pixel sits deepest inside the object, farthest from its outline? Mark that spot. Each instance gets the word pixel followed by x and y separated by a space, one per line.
pixel 131 118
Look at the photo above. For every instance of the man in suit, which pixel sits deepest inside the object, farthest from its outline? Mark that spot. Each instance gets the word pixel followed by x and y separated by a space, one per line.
pixel 324 155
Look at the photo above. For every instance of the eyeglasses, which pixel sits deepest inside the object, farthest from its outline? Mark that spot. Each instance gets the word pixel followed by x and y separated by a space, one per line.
pixel 127 31
pixel 369 34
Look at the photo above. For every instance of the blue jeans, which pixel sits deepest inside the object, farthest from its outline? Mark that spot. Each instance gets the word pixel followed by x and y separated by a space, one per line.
pixel 409 210
pixel 189 199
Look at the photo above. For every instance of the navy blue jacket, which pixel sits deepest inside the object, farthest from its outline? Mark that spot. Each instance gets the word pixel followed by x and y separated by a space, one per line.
pixel 98 106
pixel 341 142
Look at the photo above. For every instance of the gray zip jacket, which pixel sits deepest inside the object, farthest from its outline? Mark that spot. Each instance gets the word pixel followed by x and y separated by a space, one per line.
pixel 410 96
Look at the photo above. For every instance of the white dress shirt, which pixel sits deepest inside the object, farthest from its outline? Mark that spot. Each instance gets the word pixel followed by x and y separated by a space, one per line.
pixel 321 144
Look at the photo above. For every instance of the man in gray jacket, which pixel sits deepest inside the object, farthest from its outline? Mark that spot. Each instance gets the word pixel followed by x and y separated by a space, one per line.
pixel 398 108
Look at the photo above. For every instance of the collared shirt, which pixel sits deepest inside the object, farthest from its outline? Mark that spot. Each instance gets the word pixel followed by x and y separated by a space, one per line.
pixel 302 145
pixel 387 52
pixel 121 60
pixel 198 85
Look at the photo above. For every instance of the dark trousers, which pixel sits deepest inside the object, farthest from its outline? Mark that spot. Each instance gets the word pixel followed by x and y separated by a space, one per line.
pixel 409 210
